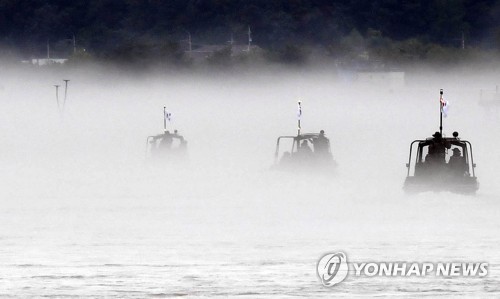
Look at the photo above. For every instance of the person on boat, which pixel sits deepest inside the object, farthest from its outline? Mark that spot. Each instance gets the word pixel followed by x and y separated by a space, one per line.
pixel 182 146
pixel 153 147
pixel 304 152
pixel 304 147
pixel 438 148
pixel 430 155
pixel 321 143
pixel 166 141
pixel 457 163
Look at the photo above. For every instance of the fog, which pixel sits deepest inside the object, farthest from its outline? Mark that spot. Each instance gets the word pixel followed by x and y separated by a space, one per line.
pixel 83 213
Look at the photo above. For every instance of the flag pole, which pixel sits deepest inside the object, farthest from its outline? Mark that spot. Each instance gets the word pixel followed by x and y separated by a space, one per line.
pixel 164 119
pixel 441 112
pixel 299 115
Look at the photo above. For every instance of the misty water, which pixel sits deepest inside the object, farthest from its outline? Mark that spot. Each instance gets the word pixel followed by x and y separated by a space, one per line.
pixel 82 214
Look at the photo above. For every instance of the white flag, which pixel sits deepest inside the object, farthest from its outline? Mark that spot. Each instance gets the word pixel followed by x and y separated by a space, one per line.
pixel 444 106
pixel 168 116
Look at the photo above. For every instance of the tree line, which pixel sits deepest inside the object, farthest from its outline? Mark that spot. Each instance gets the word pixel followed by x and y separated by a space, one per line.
pixel 126 29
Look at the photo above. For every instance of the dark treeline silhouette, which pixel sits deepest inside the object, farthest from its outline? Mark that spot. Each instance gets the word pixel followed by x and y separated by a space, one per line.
pixel 131 28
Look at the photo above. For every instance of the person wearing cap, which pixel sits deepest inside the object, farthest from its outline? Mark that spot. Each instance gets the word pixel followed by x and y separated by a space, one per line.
pixel 438 148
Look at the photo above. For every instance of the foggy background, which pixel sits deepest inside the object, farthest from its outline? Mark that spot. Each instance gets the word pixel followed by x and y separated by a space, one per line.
pixel 83 214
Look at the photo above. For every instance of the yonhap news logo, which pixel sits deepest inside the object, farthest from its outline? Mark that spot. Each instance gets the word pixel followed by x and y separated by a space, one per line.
pixel 333 268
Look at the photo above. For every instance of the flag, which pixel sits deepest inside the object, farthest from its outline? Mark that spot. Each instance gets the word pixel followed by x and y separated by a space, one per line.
pixel 299 110
pixel 168 116
pixel 444 106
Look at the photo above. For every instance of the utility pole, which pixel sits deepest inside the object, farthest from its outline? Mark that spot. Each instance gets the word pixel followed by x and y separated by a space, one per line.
pixel 249 38
pixel 57 98
pixel 190 44
pixel 65 93
pixel 463 40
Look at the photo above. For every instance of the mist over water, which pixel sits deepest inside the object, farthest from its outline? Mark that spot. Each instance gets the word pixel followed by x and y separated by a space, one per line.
pixel 82 213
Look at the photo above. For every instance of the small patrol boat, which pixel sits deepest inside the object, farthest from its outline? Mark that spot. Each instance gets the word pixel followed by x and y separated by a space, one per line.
pixel 168 146
pixel 309 152
pixel 441 163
